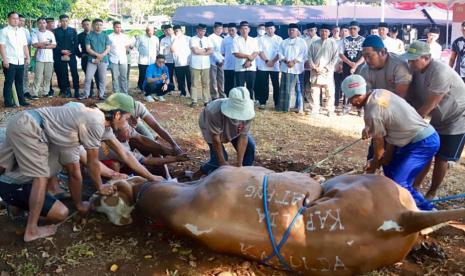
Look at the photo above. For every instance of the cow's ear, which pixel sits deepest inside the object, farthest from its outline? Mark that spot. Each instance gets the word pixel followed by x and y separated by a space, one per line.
pixel 111 201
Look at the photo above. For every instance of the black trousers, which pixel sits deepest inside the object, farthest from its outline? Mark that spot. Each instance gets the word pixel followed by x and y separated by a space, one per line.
pixel 13 74
pixel 247 78
pixel 84 61
pixel 228 81
pixel 170 71
pixel 142 72
pixel 262 86
pixel 183 76
pixel 61 70
pixel 338 78
pixel 152 88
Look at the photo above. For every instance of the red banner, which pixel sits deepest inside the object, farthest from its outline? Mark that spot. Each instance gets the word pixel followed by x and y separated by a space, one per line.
pixel 459 13
pixel 406 6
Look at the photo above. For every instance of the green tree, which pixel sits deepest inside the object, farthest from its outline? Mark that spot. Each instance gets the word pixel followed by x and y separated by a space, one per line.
pixel 34 8
pixel 90 9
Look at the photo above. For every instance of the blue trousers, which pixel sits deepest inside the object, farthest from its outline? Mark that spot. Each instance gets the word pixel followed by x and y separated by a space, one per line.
pixel 213 164
pixel 408 162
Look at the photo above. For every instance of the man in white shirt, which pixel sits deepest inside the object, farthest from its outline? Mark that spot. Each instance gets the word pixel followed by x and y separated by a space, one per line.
pixel 261 30
pixel 338 75
pixel 268 65
pixel 292 55
pixel 216 63
pixel 200 65
pixel 229 58
pixel 165 49
pixel 44 41
pixel 22 26
pixel 245 49
pixel 120 43
pixel 181 56
pixel 435 47
pixel 147 46
pixel 389 43
pixel 15 54
pixel 399 44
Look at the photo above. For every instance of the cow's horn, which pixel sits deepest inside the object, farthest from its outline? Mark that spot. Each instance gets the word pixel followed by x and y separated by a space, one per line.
pixel 415 221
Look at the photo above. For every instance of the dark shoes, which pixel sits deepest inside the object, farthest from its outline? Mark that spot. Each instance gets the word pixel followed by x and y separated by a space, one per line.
pixel 24 103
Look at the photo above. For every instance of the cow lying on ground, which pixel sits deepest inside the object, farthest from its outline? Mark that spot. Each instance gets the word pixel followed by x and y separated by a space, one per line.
pixel 353 224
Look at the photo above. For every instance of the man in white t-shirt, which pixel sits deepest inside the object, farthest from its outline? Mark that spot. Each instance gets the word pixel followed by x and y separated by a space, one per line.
pixel 15 53
pixel 120 43
pixel 200 65
pixel 389 43
pixel 181 56
pixel 435 47
pixel 399 44
pixel 229 58
pixel 165 49
pixel 147 46
pixel 245 49
pixel 44 41
pixel 216 63
pixel 268 65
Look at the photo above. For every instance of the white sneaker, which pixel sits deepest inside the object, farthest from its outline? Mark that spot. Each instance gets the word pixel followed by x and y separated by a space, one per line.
pixel 161 99
pixel 149 99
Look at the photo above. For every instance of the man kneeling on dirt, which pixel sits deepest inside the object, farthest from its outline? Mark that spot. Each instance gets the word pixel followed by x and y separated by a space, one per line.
pixel 142 139
pixel 403 142
pixel 29 134
pixel 228 120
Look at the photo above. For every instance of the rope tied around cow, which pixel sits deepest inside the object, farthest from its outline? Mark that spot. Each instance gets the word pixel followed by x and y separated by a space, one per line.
pixel 276 249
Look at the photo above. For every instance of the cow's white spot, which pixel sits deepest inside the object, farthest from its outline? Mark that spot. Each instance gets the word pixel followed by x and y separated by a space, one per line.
pixel 350 242
pixel 194 230
pixel 390 225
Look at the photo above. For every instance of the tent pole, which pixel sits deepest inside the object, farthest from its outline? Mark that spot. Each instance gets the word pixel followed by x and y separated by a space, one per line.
pixel 337 13
pixel 355 9
pixel 382 10
pixel 447 29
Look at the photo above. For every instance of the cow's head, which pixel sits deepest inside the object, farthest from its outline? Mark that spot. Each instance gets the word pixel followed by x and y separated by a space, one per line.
pixel 119 206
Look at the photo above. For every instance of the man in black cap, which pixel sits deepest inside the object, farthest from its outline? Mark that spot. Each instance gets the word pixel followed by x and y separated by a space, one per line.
pixel 292 54
pixel 399 44
pixel 245 49
pixel 165 49
pixel 181 56
pixel 201 50
pixel 389 43
pixel 322 58
pixel 268 65
pixel 351 53
pixel 435 47
pixel 225 30
pixel 310 36
pixel 229 58
pixel 216 63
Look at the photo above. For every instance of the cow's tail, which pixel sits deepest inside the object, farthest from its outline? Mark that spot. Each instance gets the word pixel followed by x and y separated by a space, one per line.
pixel 415 221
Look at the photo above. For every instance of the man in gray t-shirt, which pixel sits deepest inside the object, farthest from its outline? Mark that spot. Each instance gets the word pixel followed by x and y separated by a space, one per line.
pixel 384 70
pixel 438 91
pixel 228 120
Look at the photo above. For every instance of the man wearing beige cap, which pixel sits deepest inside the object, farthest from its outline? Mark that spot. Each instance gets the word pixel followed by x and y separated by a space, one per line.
pixel 403 142
pixel 438 91
pixel 228 120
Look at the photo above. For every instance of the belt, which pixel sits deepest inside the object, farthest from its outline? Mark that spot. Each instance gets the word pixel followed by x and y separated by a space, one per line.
pixel 424 133
pixel 36 116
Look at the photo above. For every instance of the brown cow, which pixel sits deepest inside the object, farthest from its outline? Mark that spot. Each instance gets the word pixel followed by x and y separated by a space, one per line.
pixel 353 224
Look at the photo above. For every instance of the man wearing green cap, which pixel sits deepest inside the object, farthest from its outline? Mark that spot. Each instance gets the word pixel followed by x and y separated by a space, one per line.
pixel 403 142
pixel 438 91
pixel 228 120
pixel 29 135
pixel 122 106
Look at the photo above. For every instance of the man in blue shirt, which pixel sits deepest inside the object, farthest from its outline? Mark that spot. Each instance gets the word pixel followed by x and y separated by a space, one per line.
pixel 157 80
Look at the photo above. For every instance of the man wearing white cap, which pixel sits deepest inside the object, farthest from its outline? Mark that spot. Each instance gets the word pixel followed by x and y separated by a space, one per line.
pixel 228 120
pixel 403 142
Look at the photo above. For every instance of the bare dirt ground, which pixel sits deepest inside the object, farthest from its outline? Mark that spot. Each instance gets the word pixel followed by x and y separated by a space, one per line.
pixel 284 142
